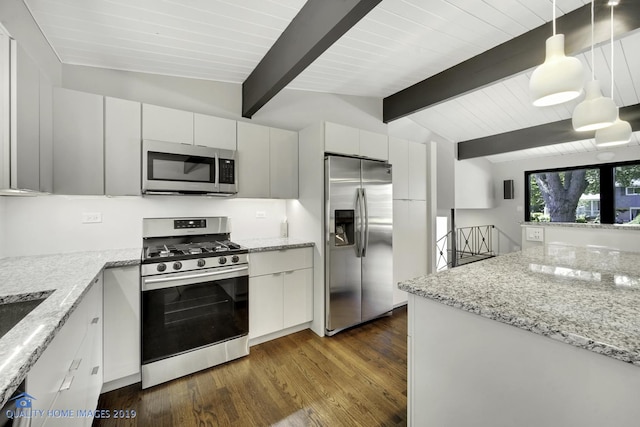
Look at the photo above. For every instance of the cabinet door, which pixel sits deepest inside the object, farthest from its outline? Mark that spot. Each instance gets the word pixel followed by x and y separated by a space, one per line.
pixel 122 147
pixel 283 164
pixel 167 124
pixel 374 145
pixel 121 322
pixel 214 132
pixel 78 142
pixel 265 304
pixel 46 134
pixel 399 159
pixel 341 139
pixel 253 160
pixel 298 297
pixel 417 171
pixel 418 232
pixel 27 133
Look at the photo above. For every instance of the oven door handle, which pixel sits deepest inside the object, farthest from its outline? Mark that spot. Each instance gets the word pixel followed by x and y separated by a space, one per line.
pixel 177 279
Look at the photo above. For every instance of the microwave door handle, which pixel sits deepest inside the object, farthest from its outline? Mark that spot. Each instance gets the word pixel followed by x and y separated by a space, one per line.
pixel 217 173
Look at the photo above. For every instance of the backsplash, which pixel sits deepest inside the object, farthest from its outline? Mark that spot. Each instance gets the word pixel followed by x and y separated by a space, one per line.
pixel 53 223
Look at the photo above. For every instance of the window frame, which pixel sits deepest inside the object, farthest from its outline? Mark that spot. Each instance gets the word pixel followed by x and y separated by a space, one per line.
pixel 626 190
pixel 607 187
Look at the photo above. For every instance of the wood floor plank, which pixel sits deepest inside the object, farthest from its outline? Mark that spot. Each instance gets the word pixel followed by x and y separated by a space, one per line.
pixel 356 378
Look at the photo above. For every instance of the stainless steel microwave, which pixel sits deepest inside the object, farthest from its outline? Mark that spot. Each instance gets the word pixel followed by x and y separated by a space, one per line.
pixel 172 168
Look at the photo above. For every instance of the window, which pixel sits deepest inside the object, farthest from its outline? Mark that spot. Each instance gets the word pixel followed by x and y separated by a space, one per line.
pixel 632 190
pixel 606 193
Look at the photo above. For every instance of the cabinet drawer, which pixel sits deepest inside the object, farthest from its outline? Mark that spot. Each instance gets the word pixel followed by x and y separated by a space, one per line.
pixel 278 261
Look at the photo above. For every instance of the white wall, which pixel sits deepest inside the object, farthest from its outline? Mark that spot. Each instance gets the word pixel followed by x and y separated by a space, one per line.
pixel 52 224
pixel 3 218
pixel 508 214
pixel 473 184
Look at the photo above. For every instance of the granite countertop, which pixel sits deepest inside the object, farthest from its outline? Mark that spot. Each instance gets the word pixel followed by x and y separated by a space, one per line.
pixel 585 296
pixel 272 244
pixel 624 227
pixel 65 278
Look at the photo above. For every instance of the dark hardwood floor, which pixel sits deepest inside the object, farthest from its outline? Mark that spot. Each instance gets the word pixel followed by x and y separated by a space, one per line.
pixel 355 378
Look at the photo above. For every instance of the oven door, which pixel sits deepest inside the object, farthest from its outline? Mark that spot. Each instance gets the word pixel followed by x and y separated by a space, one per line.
pixel 179 168
pixel 186 311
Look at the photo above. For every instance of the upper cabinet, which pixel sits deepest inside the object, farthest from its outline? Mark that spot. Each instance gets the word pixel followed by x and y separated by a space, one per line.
pixel 122 161
pixel 409 160
pixel 214 132
pixel 342 139
pixel 267 162
pixel 185 127
pixel 78 142
pixel 167 124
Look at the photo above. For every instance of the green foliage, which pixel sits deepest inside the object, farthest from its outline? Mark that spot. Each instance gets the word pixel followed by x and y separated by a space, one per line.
pixel 626 175
pixel 582 219
pixel 540 217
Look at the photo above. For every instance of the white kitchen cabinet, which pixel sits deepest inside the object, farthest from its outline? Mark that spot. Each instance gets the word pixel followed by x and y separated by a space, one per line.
pixel 68 375
pixel 267 162
pixel 122 150
pixel 280 290
pixel 374 145
pixel 253 160
pixel 297 297
pixel 78 142
pixel 122 335
pixel 399 159
pixel 266 304
pixel 417 171
pixel 167 124
pixel 26 128
pixel 342 139
pixel 46 134
pixel 283 165
pixel 214 132
pixel 409 243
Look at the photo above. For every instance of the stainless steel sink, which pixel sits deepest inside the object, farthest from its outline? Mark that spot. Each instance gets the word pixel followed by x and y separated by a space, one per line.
pixel 13 312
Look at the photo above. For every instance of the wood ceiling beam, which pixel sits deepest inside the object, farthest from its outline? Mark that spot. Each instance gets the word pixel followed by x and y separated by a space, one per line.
pixel 512 57
pixel 317 26
pixel 536 136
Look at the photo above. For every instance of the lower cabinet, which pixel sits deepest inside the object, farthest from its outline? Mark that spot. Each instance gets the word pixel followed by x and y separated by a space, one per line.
pixel 280 290
pixel 121 326
pixel 67 378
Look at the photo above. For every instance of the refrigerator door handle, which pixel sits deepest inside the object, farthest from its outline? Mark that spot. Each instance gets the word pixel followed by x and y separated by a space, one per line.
pixel 365 237
pixel 358 224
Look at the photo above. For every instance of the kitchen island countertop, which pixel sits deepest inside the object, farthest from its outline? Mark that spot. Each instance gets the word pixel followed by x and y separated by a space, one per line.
pixel 588 297
pixel 272 244
pixel 65 278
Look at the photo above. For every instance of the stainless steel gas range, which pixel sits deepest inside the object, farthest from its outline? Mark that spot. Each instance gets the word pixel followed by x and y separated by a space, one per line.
pixel 195 297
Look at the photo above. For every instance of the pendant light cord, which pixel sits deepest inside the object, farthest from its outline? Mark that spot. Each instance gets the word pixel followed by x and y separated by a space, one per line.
pixel 593 63
pixel 554 17
pixel 612 62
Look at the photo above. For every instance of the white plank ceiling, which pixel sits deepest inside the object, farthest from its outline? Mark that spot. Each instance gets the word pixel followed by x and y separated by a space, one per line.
pixel 397 44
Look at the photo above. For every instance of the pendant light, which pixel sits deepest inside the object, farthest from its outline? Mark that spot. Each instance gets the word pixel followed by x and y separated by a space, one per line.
pixel 559 78
pixel 596 111
pixel 620 131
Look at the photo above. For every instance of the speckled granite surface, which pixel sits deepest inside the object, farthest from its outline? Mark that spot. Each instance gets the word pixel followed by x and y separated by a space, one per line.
pixel 272 244
pixel 67 277
pixel 586 297
pixel 622 227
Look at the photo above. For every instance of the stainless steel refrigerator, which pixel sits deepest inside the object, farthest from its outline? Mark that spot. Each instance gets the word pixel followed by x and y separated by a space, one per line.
pixel 358 236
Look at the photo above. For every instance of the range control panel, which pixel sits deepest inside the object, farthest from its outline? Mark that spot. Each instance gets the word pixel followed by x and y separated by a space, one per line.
pixel 189 223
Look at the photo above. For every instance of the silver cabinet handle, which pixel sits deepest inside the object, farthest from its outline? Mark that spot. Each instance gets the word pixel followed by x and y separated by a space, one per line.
pixel 95 320
pixel 95 370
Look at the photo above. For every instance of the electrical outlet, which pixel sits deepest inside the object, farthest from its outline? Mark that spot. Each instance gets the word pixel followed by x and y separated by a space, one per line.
pixel 535 234
pixel 91 217
pixel 261 214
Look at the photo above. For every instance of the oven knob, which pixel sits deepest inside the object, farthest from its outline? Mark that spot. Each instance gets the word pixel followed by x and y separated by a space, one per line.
pixel 161 267
pixel 235 258
pixel 222 260
pixel 201 263
pixel 177 265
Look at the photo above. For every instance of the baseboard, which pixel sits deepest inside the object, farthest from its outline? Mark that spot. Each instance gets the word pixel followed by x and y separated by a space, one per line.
pixel 121 382
pixel 400 304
